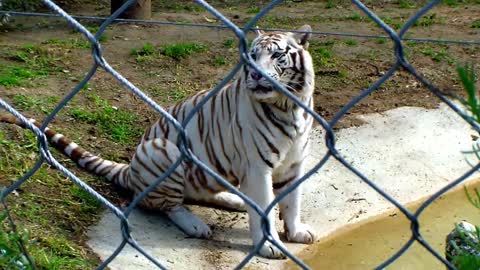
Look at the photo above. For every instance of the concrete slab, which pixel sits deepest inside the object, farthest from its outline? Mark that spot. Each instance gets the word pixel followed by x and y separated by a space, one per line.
pixel 408 152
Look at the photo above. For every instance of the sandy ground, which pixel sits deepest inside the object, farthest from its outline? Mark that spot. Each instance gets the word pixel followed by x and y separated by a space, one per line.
pixel 409 152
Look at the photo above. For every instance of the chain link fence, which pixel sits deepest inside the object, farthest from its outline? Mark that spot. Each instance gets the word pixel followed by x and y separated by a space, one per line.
pixel 123 215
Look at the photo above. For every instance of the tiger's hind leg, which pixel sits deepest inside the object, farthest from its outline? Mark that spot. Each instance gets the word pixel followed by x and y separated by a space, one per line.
pixel 152 159
pixel 224 200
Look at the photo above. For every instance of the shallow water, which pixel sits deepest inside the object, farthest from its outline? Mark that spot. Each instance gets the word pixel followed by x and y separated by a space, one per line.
pixel 367 245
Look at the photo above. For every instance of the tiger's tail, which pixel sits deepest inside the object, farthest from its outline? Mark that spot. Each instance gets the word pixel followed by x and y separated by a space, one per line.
pixel 112 171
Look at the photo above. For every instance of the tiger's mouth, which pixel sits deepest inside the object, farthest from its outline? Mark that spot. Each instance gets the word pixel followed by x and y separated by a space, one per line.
pixel 263 89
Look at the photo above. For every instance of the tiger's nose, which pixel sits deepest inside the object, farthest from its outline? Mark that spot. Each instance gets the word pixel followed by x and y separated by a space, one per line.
pixel 255 75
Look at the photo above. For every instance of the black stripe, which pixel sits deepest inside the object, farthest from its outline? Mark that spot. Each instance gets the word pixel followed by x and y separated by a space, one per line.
pixel 274 120
pixel 272 147
pixel 268 162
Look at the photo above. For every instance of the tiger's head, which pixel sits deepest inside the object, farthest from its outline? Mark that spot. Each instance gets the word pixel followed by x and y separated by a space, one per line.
pixel 284 57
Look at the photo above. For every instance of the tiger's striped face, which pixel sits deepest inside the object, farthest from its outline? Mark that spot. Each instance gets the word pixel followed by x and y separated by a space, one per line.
pixel 283 56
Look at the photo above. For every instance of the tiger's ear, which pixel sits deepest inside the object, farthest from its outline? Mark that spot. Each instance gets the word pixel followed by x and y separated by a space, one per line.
pixel 303 35
pixel 258 31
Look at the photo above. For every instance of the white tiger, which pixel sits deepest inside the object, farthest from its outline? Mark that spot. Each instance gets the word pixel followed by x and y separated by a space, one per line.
pixel 250 133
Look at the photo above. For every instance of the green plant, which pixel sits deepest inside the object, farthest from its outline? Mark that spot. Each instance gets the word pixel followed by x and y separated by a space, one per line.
pixel 43 104
pixel 330 4
pixel 426 20
pixel 13 254
pixel 322 55
pixel 451 3
pixel 117 124
pixel 219 61
pixel 229 43
pixel 253 10
pixel 355 17
pixel 467 77
pixel 476 24
pixel 351 42
pixel 381 40
pixel 395 24
pixel 183 50
pixel 436 55
pixel 406 4
pixel 146 50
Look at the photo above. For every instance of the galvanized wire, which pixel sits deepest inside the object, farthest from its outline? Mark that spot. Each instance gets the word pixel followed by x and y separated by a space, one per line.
pixel 186 154
pixel 11 13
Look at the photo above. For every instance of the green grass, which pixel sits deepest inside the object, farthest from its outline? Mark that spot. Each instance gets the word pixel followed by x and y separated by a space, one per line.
pixel 355 17
pixel 49 212
pixel 426 20
pixel 229 43
pixel 94 30
pixel 351 42
pixel 437 55
pixel 219 61
pixel 146 50
pixel 452 3
pixel 381 40
pixel 180 8
pixel 111 121
pixel 253 10
pixel 406 4
pixel 145 53
pixel 42 104
pixel 69 43
pixel 476 24
pixel 183 50
pixel 322 54
pixel 394 23
pixel 330 4
pixel 273 21
pixel 30 62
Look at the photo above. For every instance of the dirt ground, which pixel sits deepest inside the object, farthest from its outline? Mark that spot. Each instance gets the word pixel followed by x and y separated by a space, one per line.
pixel 344 65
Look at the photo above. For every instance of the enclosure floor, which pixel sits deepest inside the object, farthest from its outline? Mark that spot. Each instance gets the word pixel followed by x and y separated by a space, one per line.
pixel 408 152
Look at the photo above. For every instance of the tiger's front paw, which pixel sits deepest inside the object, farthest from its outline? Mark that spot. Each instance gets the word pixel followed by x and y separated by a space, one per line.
pixel 270 251
pixel 301 233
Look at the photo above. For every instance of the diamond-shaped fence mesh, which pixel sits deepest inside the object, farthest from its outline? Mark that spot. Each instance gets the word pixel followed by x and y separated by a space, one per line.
pixel 123 215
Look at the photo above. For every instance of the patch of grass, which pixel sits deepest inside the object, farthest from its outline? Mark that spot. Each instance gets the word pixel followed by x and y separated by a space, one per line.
pixel 330 4
pixel 146 52
pixel 177 94
pixel 355 17
pixel 183 50
pixel 272 21
pixel 476 24
pixel 42 104
pixel 436 55
pixel 381 40
pixel 117 124
pixel 229 43
pixel 406 4
pixel 219 61
pixel 351 42
pixel 179 7
pixel 69 43
pixel 47 215
pixel 94 30
pixel 394 23
pixel 426 20
pixel 18 76
pixel 322 55
pixel 33 63
pixel 451 3
pixel 253 10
